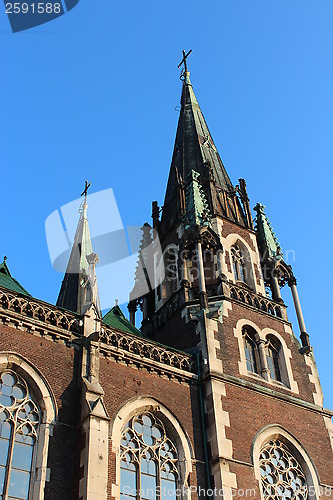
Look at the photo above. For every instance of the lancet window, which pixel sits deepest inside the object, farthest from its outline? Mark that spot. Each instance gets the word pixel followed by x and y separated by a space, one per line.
pixel 149 460
pixel 273 359
pixel 282 476
pixel 238 263
pixel 251 352
pixel 19 423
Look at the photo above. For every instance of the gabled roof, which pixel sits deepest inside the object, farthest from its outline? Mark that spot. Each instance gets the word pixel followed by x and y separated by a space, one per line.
pixel 116 319
pixel 7 280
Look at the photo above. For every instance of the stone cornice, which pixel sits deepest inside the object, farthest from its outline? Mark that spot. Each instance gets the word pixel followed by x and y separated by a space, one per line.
pixel 144 353
pixel 48 321
pixel 267 392
pixel 38 317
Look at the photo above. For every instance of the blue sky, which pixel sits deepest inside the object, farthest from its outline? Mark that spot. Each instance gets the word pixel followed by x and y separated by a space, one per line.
pixel 92 95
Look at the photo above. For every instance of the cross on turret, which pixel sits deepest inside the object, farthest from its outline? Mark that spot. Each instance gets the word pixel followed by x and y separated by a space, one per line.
pixel 85 191
pixel 183 61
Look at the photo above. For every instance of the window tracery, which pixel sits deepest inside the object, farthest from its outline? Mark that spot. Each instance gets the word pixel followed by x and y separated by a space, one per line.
pixel 19 422
pixel 149 460
pixel 282 477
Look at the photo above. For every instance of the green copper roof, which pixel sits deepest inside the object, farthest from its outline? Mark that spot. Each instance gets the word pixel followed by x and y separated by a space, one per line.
pixel 7 280
pixel 268 244
pixel 197 210
pixel 116 319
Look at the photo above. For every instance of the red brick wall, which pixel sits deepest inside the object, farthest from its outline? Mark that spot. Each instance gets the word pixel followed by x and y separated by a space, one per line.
pixel 122 383
pixel 249 412
pixel 55 361
pixel 229 352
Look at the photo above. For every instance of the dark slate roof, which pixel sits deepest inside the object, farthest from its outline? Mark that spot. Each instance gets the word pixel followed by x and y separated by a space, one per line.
pixel 70 295
pixel 194 150
pixel 7 281
pixel 116 319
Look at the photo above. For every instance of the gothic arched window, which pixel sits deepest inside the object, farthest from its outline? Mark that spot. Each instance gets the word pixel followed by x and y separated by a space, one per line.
pixel 149 460
pixel 251 351
pixel 281 475
pixel 19 422
pixel 273 358
pixel 238 263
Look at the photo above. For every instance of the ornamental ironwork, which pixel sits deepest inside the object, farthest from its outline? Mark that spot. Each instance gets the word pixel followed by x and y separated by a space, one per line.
pixel 282 477
pixel 19 421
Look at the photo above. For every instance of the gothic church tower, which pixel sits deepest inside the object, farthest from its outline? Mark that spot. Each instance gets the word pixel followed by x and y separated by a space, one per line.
pixel 220 299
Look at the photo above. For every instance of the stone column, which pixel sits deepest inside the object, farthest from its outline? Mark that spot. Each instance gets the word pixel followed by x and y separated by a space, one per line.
pixel 184 273
pixel 276 292
pixel 304 335
pixel 221 265
pixel 201 277
pixel 132 307
pixel 263 359
pixel 94 424
pixel 145 308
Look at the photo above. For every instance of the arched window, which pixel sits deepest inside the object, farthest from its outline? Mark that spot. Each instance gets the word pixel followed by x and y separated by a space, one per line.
pixel 238 263
pixel 148 460
pixel 273 358
pixel 251 351
pixel 19 422
pixel 281 475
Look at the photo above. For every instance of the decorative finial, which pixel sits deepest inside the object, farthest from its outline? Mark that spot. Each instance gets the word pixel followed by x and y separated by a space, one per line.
pixel 5 258
pixel 183 61
pixel 85 191
pixel 116 302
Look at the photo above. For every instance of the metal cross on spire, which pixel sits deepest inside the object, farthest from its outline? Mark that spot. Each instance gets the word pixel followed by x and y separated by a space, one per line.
pixel 85 191
pixel 183 61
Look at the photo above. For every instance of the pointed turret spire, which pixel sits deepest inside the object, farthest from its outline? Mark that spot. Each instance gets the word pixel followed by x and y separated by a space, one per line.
pixel 79 286
pixel 195 150
pixel 197 210
pixel 267 241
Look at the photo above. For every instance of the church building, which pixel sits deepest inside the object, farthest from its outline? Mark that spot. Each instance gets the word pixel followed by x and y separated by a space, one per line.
pixel 213 395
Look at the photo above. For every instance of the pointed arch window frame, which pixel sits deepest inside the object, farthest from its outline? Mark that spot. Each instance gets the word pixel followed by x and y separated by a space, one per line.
pixel 251 351
pixel 46 401
pixel 179 436
pixel 149 458
pixel 274 431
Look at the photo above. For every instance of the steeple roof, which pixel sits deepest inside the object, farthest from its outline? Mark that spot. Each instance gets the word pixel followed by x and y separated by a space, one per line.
pixel 267 241
pixel 194 150
pixel 79 286
pixel 7 280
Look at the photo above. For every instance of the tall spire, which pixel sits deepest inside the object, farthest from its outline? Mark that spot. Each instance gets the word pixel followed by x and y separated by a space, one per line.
pixel 195 150
pixel 79 286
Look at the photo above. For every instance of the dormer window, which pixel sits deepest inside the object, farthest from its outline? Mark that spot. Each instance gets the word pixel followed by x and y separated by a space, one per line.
pixel 238 263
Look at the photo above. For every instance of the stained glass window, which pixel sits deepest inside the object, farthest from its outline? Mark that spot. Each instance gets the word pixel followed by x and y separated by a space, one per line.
pixel 148 461
pixel 282 477
pixel 19 420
